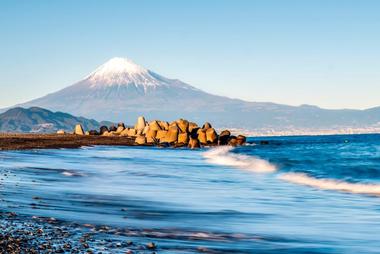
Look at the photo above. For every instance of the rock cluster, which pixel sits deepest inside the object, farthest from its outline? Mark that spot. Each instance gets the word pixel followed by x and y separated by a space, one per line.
pixel 179 133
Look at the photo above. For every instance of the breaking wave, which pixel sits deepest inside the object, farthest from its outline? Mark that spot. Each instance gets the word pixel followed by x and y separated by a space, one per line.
pixel 330 184
pixel 223 156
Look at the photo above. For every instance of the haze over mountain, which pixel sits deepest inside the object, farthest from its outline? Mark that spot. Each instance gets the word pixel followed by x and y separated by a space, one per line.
pixel 121 90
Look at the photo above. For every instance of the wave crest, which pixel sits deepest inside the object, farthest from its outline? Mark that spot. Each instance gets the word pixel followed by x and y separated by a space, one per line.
pixel 223 156
pixel 330 184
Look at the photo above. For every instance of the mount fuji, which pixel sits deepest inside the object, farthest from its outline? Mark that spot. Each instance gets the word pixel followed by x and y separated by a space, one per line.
pixel 121 90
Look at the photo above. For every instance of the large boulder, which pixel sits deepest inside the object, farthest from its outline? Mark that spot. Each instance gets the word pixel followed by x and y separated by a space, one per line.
pixel 193 143
pixel 151 140
pixel 206 126
pixel 132 132
pixel 192 126
pixel 183 138
pixel 154 125
pixel 78 130
pixel 161 134
pixel 172 134
pixel 107 134
pixel 112 128
pixel 61 132
pixel 120 129
pixel 211 136
pixel 202 136
pixel 103 129
pixel 151 133
pixel 140 125
pixel 164 125
pixel 224 137
pixel 93 132
pixel 194 133
pixel 232 141
pixel 183 125
pixel 146 129
pixel 124 133
pixel 140 140
pixel 241 140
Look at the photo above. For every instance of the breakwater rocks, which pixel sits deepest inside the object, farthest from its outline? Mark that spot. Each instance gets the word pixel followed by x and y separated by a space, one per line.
pixel 180 133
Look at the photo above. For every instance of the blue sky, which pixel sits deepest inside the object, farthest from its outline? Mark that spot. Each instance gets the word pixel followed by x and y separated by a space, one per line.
pixel 325 53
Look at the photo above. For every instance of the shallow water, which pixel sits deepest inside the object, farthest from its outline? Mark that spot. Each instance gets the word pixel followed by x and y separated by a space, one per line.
pixel 296 194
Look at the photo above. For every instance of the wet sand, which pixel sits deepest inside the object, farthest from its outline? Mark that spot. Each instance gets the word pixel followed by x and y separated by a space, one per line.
pixel 52 141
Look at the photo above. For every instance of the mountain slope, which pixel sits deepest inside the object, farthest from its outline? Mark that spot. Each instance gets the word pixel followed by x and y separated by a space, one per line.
pixel 121 90
pixel 41 120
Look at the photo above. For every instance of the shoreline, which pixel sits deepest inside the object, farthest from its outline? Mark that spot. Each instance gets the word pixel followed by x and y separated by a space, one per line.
pixel 20 141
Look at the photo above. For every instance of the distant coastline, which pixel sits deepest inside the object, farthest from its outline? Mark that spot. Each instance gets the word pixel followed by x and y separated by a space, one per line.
pixel 305 132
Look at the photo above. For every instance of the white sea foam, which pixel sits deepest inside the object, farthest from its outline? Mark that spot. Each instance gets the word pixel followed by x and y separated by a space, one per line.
pixel 71 173
pixel 330 184
pixel 223 156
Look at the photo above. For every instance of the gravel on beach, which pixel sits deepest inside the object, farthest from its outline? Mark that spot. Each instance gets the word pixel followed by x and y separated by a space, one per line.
pixel 52 141
pixel 19 234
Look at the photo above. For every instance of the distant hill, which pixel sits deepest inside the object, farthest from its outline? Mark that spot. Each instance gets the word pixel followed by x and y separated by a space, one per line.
pixel 41 120
pixel 121 90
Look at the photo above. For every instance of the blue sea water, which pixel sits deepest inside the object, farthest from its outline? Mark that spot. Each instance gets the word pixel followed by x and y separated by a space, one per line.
pixel 309 194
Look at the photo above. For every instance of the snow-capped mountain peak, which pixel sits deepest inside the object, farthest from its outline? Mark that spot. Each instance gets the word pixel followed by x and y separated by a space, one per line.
pixel 121 71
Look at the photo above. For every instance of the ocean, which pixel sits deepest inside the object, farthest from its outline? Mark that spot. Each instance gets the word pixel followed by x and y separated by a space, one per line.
pixel 306 194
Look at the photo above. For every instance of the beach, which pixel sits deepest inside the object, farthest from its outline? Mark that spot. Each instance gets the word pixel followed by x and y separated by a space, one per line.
pixel 55 141
pixel 263 197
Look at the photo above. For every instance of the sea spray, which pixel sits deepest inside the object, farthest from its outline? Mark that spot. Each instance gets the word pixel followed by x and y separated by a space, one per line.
pixel 330 184
pixel 224 156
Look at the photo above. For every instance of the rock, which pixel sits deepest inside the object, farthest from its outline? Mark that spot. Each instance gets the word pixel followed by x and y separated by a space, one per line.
pixel 87 133
pixel 103 129
pixel 106 134
pixel 183 125
pixel 93 132
pixel 120 129
pixel 146 129
pixel 202 136
pixel 154 125
pixel 151 133
pixel 121 125
pixel 164 125
pixel 241 140
pixel 211 136
pixel 232 141
pixel 140 125
pixel 132 132
pixel 224 137
pixel 140 140
pixel 183 138
pixel 61 132
pixel 172 134
pixel 112 128
pixel 78 130
pixel 206 126
pixel 173 124
pixel 192 126
pixel 161 134
pixel 124 133
pixel 151 140
pixel 194 133
pixel 193 143
pixel 151 246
